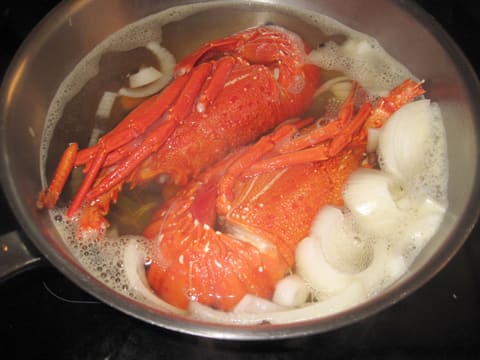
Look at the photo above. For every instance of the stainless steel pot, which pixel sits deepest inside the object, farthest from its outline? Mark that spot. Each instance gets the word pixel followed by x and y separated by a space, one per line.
pixel 74 28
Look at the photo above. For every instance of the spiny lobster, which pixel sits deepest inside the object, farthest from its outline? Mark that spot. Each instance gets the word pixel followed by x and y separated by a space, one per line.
pixel 224 95
pixel 233 231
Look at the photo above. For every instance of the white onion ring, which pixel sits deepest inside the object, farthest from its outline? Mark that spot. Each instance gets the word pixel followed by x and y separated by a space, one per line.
pixel 134 265
pixel 255 305
pixel 329 84
pixel 405 139
pixel 291 291
pixel 144 76
pixel 348 298
pixel 105 104
pixel 167 61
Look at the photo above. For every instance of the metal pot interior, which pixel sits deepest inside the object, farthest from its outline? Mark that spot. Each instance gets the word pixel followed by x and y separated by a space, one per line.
pixel 74 28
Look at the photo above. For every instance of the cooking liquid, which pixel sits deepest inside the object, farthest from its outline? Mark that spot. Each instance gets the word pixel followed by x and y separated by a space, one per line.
pixel 71 117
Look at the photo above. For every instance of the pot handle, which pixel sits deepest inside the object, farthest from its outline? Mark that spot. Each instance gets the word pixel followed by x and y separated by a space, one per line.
pixel 17 255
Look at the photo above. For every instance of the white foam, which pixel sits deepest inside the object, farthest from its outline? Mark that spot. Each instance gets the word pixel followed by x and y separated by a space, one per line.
pixel 104 256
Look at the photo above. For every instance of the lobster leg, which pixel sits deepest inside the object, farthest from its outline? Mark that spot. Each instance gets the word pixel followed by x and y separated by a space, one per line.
pixel 340 131
pixel 94 157
pixel 252 155
pixel 187 64
pixel 294 151
pixel 346 136
pixel 93 217
pixel 216 83
pixel 49 197
pixel 124 138
pixel 135 128
pixel 326 132
pixel 152 142
pixel 87 183
pixel 322 151
pixel 136 123
pixel 399 96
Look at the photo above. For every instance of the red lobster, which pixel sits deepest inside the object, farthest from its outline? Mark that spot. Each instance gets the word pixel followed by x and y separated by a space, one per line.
pixel 234 230
pixel 224 95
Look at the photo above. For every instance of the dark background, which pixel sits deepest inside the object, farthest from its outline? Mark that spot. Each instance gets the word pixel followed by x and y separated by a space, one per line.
pixel 44 316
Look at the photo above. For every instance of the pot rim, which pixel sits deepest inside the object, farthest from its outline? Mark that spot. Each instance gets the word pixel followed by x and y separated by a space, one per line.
pixel 218 331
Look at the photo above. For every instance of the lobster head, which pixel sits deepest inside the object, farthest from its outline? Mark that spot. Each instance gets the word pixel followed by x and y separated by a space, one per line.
pixel 283 52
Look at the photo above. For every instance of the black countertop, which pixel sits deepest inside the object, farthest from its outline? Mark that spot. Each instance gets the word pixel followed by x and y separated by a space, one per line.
pixel 44 316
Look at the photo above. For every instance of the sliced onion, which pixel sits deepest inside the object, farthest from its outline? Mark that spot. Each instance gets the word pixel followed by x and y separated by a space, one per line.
pixel 251 304
pixel 385 268
pixel 428 218
pixel 360 60
pixel 316 271
pixel 167 61
pixel 346 251
pixel 206 313
pixel 405 138
pixel 134 264
pixel 382 263
pixel 372 196
pixel 144 76
pixel 390 258
pixel 105 105
pixel 291 291
pixel 424 220
pixel 349 297
pixel 329 85
pixel 341 90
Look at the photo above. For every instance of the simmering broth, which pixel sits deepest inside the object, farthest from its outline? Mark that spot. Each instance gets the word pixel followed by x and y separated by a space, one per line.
pixel 181 30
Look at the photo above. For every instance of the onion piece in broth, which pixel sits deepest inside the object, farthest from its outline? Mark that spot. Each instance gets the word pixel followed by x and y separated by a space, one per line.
pixel 167 61
pixel 346 299
pixel 405 138
pixel 134 263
